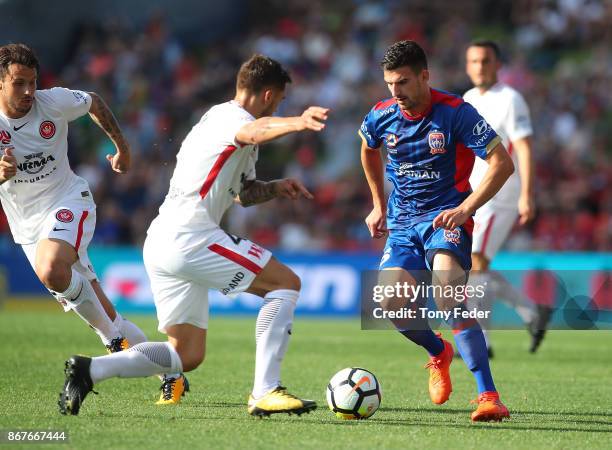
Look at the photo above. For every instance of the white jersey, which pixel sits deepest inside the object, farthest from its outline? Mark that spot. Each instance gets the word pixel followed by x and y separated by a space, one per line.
pixel 507 112
pixel 211 168
pixel 40 145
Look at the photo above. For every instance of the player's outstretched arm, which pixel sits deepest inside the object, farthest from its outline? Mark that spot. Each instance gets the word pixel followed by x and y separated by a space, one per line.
pixel 267 129
pixel 257 191
pixel 373 167
pixel 499 170
pixel 8 165
pixel 104 118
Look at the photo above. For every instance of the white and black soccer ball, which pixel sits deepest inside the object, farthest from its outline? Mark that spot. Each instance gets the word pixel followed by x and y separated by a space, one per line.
pixel 353 393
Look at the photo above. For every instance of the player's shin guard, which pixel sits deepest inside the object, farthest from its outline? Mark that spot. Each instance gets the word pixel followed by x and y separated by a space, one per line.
pixel 129 330
pixel 272 333
pixel 82 299
pixel 142 360
pixel 473 349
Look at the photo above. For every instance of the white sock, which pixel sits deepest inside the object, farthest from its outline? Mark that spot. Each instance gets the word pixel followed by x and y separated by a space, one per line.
pixel 83 300
pixel 135 336
pixel 509 295
pixel 142 360
pixel 481 281
pixel 129 330
pixel 272 332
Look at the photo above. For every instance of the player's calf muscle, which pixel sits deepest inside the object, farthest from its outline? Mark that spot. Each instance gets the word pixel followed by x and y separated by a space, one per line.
pixel 190 344
pixel 191 358
pixel 55 274
pixel 275 276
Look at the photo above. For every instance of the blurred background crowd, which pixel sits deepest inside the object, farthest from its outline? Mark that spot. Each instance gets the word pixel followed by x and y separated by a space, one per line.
pixel 159 83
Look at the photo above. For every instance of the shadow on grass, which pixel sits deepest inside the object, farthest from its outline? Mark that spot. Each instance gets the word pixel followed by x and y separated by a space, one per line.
pixel 503 426
pixel 519 421
pixel 217 405
pixel 514 424
pixel 516 411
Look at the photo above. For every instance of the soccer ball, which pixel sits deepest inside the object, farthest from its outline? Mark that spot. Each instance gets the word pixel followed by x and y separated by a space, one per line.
pixel 353 393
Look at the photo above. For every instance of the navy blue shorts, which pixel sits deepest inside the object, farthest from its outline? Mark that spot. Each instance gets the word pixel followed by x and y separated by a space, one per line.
pixel 414 247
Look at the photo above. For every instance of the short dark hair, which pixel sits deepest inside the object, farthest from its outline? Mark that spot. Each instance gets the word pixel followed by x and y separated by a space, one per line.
pixel 17 54
pixel 404 53
pixel 260 72
pixel 487 43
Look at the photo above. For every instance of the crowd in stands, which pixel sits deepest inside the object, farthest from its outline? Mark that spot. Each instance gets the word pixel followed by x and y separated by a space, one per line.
pixel 556 53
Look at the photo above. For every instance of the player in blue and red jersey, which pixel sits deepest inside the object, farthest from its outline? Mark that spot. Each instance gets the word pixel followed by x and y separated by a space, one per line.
pixel 432 139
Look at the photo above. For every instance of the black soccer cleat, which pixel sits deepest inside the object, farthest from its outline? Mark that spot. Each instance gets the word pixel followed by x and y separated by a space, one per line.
pixel 537 327
pixel 117 345
pixel 76 386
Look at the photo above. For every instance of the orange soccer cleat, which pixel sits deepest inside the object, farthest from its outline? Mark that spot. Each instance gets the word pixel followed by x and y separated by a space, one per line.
pixel 440 386
pixel 490 408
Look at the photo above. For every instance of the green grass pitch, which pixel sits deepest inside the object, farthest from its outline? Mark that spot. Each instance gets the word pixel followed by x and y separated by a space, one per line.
pixel 558 398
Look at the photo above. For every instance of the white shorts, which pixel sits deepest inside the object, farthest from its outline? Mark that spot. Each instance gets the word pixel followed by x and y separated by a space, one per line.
pixel 74 222
pixel 491 228
pixel 183 266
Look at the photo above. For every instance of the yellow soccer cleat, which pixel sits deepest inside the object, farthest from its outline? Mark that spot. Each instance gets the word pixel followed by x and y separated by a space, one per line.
pixel 279 401
pixel 172 389
pixel 117 345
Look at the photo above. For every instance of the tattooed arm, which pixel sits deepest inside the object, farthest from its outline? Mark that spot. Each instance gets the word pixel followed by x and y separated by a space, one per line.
pixel 257 191
pixel 267 129
pixel 101 114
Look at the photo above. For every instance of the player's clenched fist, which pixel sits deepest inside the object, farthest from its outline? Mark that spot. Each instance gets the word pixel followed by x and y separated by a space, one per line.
pixel 292 189
pixel 313 118
pixel 377 223
pixel 8 165
pixel 120 162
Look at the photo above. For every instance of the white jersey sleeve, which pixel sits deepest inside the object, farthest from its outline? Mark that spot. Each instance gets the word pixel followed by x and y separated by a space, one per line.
pixel 506 111
pixel 72 104
pixel 211 168
pixel 518 123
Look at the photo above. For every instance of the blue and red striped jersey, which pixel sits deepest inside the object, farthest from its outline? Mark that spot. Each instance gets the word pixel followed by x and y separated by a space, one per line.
pixel 430 156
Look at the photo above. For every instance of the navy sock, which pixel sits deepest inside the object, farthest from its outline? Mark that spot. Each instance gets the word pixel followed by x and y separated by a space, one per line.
pixel 473 350
pixel 426 339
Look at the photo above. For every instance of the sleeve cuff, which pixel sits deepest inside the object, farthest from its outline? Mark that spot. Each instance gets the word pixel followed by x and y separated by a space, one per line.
pixel 491 145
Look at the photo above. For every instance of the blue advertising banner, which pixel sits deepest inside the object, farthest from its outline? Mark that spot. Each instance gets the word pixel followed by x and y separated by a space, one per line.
pixel 331 282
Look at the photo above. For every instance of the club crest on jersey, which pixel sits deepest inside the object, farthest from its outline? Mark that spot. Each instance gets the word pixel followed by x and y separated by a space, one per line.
pixel 47 129
pixel 5 137
pixel 436 142
pixel 453 236
pixel 391 140
pixel 64 215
